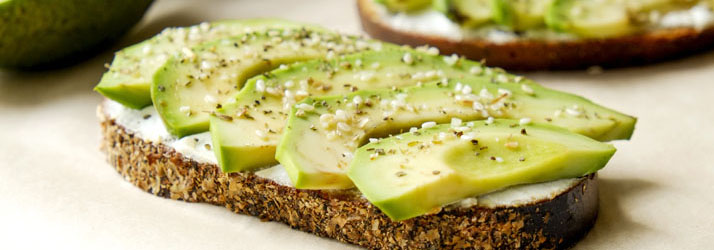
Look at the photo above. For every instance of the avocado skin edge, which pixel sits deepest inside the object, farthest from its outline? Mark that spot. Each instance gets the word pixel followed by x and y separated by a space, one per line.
pixel 66 32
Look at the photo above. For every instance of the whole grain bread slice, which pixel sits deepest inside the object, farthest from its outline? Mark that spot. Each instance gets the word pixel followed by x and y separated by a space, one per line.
pixel 525 54
pixel 554 223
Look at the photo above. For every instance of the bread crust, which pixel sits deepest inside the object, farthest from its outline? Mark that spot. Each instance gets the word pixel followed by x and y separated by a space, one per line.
pixel 345 216
pixel 630 50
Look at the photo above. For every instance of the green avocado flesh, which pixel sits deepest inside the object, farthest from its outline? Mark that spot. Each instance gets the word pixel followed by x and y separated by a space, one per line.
pixel 659 5
pixel 607 18
pixel 474 12
pixel 192 84
pixel 583 18
pixel 419 172
pixel 335 126
pixel 128 80
pixel 589 18
pixel 520 14
pixel 406 5
pixel 246 132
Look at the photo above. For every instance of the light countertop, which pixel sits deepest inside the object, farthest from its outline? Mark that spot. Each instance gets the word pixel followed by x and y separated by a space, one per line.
pixel 57 191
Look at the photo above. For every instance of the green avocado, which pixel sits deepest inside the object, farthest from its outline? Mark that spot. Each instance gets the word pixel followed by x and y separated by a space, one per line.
pixel 128 80
pixel 419 172
pixel 335 126
pixel 520 15
pixel 41 34
pixel 406 5
pixel 473 12
pixel 443 6
pixel 645 6
pixel 246 132
pixel 590 18
pixel 194 83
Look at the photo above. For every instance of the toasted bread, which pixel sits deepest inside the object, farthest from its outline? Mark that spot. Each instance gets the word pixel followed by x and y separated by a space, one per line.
pixel 529 54
pixel 555 222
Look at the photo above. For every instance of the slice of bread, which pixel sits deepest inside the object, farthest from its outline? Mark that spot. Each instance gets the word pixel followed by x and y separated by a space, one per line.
pixel 531 54
pixel 555 222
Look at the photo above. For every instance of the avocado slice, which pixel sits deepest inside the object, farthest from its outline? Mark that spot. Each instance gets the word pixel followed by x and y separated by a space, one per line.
pixel 405 5
pixel 246 132
pixel 128 79
pixel 419 172
pixel 443 6
pixel 38 34
pixel 640 6
pixel 337 125
pixel 195 82
pixel 589 18
pixel 520 15
pixel 473 12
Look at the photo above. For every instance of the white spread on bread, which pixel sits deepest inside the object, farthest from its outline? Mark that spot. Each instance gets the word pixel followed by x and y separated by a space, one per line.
pixel 435 23
pixel 429 22
pixel 147 125
pixel 698 17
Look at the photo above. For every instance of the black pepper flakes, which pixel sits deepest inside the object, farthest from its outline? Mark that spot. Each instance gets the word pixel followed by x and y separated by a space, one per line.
pixel 222 116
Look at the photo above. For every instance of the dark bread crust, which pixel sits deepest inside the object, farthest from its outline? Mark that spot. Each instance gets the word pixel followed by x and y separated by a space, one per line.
pixel 631 50
pixel 548 224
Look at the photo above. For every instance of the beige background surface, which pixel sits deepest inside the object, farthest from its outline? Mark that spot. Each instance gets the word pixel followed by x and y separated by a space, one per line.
pixel 56 190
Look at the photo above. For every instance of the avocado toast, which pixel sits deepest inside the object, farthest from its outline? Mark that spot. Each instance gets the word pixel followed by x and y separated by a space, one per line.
pixel 538 203
pixel 547 34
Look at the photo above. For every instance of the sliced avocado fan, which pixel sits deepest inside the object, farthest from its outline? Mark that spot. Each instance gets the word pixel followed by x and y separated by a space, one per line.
pixel 585 18
pixel 418 172
pixel 128 80
pixel 192 84
pixel 337 125
pixel 246 131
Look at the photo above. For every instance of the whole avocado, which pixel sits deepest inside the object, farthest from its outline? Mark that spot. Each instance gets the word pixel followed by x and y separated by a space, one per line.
pixel 51 33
